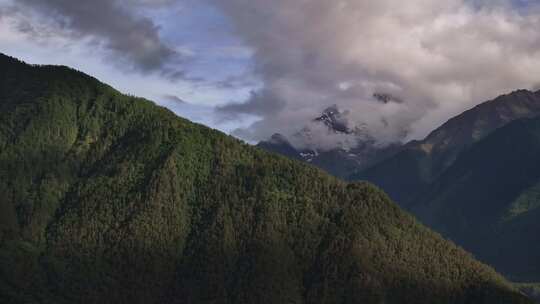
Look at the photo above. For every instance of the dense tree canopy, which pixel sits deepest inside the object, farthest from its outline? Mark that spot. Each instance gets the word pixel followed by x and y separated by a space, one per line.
pixel 107 198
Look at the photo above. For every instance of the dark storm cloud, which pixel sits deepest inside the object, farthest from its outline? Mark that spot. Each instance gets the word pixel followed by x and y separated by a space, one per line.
pixel 114 25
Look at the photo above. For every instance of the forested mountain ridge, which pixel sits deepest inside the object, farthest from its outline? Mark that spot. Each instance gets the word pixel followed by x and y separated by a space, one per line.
pixel 408 173
pixel 107 198
pixel 475 180
pixel 489 200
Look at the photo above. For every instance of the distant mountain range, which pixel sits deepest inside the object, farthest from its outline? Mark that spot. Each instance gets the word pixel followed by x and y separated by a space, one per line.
pixel 475 179
pixel 356 148
pixel 417 164
pixel 488 200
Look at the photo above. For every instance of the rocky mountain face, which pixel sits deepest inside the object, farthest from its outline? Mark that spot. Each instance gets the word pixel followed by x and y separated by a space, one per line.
pixel 107 198
pixel 354 147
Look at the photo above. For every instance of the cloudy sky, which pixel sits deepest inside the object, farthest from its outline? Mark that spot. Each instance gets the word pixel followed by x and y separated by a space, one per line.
pixel 256 67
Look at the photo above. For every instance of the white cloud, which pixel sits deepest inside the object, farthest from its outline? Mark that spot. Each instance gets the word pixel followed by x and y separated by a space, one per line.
pixel 438 56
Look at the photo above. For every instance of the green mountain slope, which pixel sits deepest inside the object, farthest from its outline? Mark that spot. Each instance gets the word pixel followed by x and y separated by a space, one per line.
pixel 489 200
pixel 106 198
pixel 409 173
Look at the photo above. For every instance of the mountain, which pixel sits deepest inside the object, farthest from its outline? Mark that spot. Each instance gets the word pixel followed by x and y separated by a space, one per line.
pixel 404 171
pixel 488 201
pixel 280 144
pixel 408 173
pixel 336 121
pixel 476 181
pixel 353 149
pixel 108 198
pixel 532 290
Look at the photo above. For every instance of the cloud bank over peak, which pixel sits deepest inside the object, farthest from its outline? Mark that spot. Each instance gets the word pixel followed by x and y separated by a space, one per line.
pixel 397 68
pixel 436 58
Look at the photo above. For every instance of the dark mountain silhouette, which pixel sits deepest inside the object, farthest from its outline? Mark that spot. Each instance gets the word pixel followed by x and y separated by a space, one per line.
pixel 488 201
